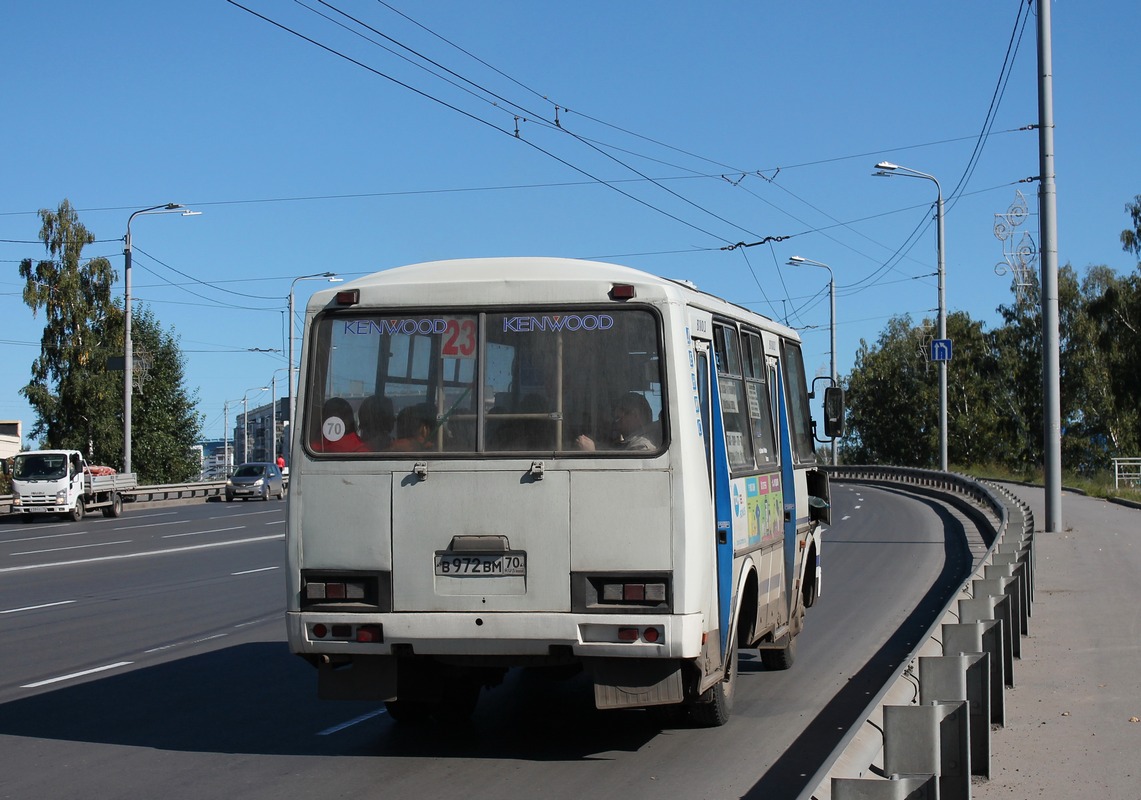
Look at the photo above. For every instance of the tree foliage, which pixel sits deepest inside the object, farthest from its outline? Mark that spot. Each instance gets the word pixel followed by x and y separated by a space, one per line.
pixel 995 381
pixel 77 400
pixel 1131 237
pixel 75 296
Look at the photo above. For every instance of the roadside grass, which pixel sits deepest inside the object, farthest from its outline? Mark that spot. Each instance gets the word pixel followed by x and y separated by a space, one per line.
pixel 1100 484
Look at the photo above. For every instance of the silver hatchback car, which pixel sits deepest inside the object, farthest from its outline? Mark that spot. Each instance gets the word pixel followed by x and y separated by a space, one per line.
pixel 255 479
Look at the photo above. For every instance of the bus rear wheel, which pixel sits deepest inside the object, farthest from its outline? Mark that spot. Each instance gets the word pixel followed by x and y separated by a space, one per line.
pixel 780 658
pixel 715 706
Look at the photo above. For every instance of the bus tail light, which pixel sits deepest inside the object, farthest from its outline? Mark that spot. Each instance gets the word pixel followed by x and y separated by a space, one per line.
pixel 350 591
pixel 370 634
pixel 633 592
pixel 335 590
pixel 622 291
pixel 649 635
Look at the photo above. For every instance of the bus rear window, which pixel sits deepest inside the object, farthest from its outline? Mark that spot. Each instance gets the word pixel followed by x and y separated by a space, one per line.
pixel 534 382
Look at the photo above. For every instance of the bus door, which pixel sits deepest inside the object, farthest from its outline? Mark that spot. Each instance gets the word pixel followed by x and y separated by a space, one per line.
pixel 789 484
pixel 717 463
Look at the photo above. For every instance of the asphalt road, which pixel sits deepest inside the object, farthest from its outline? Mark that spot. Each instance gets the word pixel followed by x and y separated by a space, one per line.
pixel 144 656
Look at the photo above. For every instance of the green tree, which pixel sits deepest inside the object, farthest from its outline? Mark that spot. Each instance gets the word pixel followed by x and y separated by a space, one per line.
pixel 79 402
pixel 75 296
pixel 890 397
pixel 893 398
pixel 1131 237
pixel 1112 326
pixel 165 422
pixel 978 431
pixel 1018 395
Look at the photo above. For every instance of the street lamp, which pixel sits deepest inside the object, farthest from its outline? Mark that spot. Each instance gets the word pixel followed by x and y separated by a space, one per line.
pixel 800 261
pixel 886 169
pixel 128 348
pixel 246 421
pixel 273 409
pixel 332 278
pixel 227 459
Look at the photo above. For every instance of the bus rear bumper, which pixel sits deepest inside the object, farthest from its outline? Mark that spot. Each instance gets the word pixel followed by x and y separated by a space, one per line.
pixel 504 635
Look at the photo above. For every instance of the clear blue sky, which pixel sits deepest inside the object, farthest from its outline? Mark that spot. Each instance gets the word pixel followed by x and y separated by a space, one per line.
pixel 753 120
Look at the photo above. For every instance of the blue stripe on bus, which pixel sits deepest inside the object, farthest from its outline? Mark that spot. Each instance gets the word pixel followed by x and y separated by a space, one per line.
pixel 723 514
pixel 789 486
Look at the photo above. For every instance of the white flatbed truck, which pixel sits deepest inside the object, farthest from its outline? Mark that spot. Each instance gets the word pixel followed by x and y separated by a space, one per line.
pixel 61 482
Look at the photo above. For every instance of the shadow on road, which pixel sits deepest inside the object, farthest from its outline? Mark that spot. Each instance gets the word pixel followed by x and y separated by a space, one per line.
pixel 259 699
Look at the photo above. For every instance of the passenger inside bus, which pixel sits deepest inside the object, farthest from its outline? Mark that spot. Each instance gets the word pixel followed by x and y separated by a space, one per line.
pixel 338 428
pixel 414 426
pixel 527 428
pixel 633 427
pixel 376 418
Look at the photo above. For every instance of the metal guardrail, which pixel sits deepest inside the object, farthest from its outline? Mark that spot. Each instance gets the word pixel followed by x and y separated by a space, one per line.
pixel 175 491
pixel 157 493
pixel 1127 471
pixel 928 731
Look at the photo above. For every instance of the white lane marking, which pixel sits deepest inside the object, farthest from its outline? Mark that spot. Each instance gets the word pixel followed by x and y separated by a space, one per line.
pixel 186 549
pixel 73 547
pixel 199 533
pixel 252 571
pixel 846 516
pixel 104 668
pixel 35 608
pixel 50 536
pixel 188 641
pixel 352 722
pixel 152 525
pixel 245 514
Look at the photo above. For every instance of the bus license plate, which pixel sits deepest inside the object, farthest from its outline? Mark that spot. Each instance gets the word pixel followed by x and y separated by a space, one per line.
pixel 481 565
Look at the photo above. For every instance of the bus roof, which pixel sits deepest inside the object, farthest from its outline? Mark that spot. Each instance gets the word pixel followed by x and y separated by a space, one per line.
pixel 523 280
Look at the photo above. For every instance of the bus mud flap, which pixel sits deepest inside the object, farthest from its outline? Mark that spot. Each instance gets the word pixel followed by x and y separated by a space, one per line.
pixel 631 683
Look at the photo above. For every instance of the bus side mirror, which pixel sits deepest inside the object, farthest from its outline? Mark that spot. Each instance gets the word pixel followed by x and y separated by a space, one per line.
pixel 833 412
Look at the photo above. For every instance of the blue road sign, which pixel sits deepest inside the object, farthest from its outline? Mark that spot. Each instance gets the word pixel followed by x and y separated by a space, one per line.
pixel 940 349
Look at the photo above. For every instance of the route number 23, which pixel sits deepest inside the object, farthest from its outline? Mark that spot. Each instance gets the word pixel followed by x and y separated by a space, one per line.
pixel 459 338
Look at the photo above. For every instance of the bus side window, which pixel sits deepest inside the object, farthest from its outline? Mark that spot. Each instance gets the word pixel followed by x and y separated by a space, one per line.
pixel 731 391
pixel 796 393
pixel 760 406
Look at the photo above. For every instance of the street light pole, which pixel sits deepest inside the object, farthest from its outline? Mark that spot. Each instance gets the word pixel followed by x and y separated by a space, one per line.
pixel 128 347
pixel 246 421
pixel 886 169
pixel 226 438
pixel 332 278
pixel 1048 227
pixel 798 261
pixel 273 410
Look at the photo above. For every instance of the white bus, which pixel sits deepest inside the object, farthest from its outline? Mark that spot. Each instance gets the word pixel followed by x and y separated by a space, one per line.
pixel 528 462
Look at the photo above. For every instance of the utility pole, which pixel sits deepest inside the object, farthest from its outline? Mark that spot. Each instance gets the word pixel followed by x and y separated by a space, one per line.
pixel 1048 222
